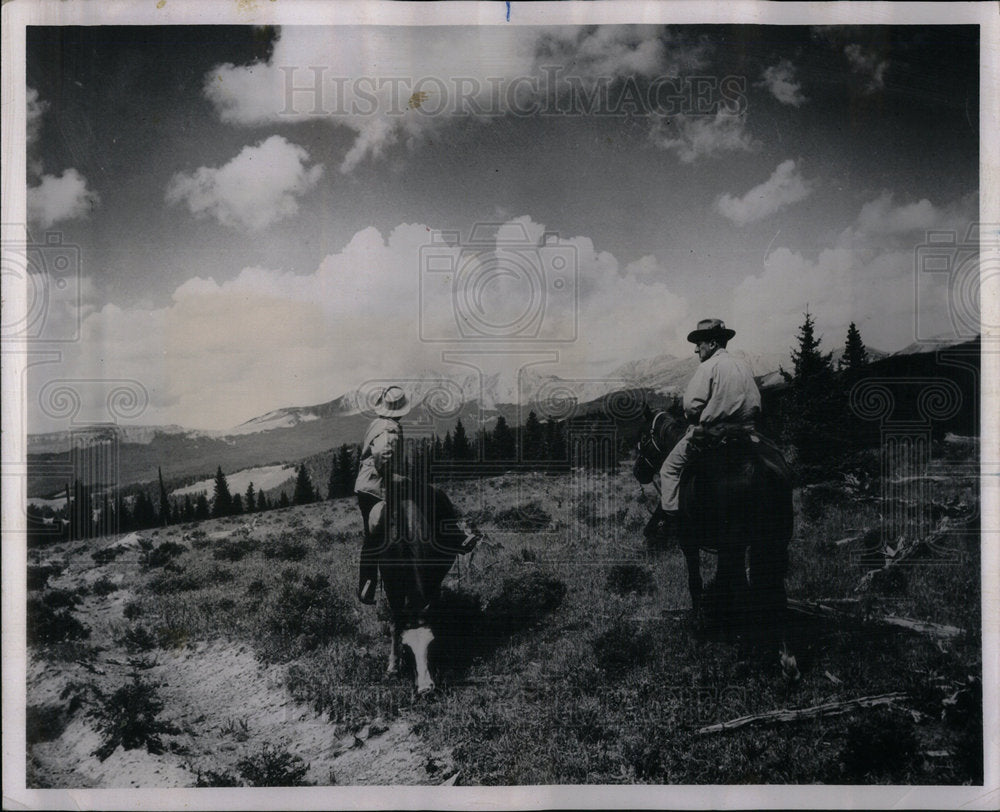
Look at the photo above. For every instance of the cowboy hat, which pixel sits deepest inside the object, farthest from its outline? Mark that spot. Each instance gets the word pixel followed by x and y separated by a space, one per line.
pixel 392 402
pixel 709 329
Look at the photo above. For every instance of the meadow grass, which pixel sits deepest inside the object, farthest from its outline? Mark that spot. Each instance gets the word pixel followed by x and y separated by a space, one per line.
pixel 568 657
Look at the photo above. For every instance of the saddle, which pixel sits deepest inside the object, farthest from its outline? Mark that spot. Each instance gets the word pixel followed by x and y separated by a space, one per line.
pixel 737 444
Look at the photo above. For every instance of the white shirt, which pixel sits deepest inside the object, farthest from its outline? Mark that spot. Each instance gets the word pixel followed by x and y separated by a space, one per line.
pixel 722 390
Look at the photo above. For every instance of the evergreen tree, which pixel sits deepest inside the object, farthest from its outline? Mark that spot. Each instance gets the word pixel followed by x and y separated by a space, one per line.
pixel 237 504
pixel 341 474
pixel 855 353
pixel 188 511
pixel 810 368
pixel 262 503
pixel 814 405
pixel 504 445
pixel 283 501
pixel 123 515
pixel 201 507
pixel 447 447
pixel 250 499
pixel 532 438
pixel 461 450
pixel 555 441
pixel 437 449
pixel 304 493
pixel 164 499
pixel 223 501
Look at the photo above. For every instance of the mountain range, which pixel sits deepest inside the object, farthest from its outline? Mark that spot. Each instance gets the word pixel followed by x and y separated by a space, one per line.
pixel 290 434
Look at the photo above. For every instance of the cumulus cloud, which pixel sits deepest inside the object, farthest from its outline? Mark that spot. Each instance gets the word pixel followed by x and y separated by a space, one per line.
pixel 390 85
pixel 868 64
pixel 870 275
pixel 882 216
pixel 703 136
pixel 784 187
pixel 780 80
pixel 60 197
pixel 221 353
pixel 255 189
pixel 34 108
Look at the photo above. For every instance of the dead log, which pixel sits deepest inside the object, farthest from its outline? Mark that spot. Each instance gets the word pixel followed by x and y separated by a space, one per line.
pixel 936 630
pixel 796 714
pixel 831 609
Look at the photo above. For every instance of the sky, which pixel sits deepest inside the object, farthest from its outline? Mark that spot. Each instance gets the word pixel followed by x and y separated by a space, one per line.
pixel 249 218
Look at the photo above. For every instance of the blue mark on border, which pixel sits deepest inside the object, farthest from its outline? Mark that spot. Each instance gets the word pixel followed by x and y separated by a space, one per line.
pixel 508 10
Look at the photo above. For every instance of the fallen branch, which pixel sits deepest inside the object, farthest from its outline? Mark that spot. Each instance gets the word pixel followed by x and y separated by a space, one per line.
pixel 794 715
pixel 828 609
pixel 937 630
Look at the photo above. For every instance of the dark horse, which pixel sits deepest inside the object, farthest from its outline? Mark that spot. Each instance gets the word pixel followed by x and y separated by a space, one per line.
pixel 422 540
pixel 735 496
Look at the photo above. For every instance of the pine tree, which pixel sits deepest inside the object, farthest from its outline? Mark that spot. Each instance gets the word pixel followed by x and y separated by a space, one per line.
pixel 504 445
pixel 447 447
pixel 223 502
pixel 555 441
pixel 304 493
pixel 188 509
pixel 201 507
pixel 342 474
pixel 855 353
pixel 237 504
pixel 437 449
pixel 814 404
pixel 283 501
pixel 250 499
pixel 532 438
pixel 164 500
pixel 810 367
pixel 262 503
pixel 461 450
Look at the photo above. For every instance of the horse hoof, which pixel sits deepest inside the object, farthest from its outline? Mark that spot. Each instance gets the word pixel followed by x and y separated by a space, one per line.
pixel 392 670
pixel 426 690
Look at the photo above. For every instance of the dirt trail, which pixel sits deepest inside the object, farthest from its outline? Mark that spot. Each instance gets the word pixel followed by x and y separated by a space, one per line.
pixel 226 706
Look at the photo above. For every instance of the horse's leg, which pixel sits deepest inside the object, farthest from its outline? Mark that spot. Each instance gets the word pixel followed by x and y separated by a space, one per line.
pixel 393 667
pixel 693 561
pixel 768 563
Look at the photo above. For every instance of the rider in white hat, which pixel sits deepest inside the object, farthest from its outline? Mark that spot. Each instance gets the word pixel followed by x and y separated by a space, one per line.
pixel 722 390
pixel 382 446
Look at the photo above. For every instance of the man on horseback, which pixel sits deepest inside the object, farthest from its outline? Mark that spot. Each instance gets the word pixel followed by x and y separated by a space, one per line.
pixel 721 392
pixel 382 446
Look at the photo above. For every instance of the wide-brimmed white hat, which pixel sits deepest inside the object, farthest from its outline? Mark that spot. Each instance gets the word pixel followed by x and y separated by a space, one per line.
pixel 392 402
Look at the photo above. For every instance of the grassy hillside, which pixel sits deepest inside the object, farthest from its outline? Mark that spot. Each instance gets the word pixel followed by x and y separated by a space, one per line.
pixel 226 653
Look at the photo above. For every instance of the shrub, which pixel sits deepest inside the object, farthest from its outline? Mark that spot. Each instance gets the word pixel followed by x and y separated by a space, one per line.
pixel 132 610
pixel 307 615
pixel 235 549
pixel 168 584
pixel 219 575
pixel 271 767
pixel 136 638
pixel 528 517
pixel 287 549
pixel 882 744
pixel 46 624
pixel 39 574
pixel 104 586
pixel 63 598
pixel 212 778
pixel 525 599
pixel 622 647
pixel 44 723
pixel 626 578
pixel 129 718
pixel 161 555
pixel 256 588
pixel 107 555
